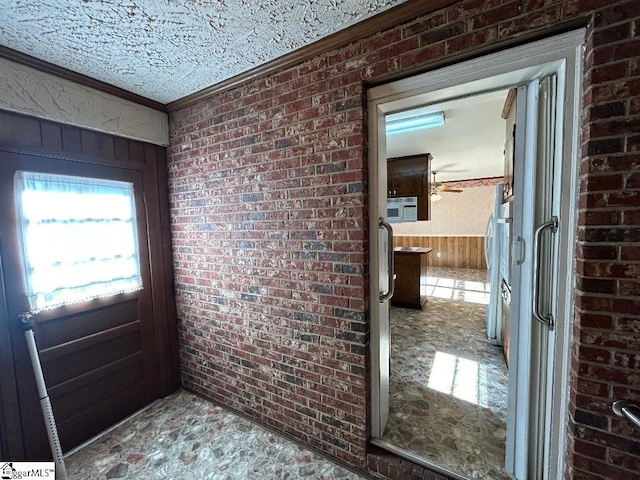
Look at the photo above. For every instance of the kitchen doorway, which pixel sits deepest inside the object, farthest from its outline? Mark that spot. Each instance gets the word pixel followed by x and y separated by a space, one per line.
pixel 545 74
pixel 448 378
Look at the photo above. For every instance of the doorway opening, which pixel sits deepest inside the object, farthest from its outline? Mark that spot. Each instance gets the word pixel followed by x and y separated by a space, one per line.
pixel 442 395
pixel 448 382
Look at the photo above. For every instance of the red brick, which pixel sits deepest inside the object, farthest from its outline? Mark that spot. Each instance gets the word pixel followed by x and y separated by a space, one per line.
pixel 602 217
pixel 614 91
pixel 612 34
pixel 610 163
pixel 629 253
pixel 607 110
pixel 590 320
pixel 625 460
pixel 579 475
pixel 596 355
pixel 633 180
pixel 603 182
pixel 628 324
pixel 487 17
pixel 606 471
pixel 593 285
pixel 597 252
pixel 629 361
pixel 629 288
pixel 614 127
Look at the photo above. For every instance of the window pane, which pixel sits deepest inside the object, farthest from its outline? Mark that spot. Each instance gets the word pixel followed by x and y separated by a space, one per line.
pixel 78 238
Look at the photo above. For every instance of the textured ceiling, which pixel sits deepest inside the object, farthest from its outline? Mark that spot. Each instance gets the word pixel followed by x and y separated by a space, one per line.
pixel 167 49
pixel 469 145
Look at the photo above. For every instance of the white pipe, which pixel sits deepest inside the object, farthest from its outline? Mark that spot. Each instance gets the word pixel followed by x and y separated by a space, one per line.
pixel 45 404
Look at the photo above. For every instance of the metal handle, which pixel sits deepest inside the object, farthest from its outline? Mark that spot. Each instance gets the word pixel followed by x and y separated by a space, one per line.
pixel 537 242
pixel 488 240
pixel 631 412
pixel 390 264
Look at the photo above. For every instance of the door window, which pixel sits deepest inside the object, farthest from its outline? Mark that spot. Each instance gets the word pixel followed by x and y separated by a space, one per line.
pixel 78 238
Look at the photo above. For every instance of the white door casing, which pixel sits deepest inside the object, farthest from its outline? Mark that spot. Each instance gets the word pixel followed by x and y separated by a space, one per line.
pixel 559 55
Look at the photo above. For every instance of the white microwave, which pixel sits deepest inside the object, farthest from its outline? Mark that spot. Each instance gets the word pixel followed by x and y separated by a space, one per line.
pixel 402 209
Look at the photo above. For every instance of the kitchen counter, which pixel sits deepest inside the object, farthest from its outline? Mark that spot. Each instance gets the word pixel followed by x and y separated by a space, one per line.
pixel 418 250
pixel 411 276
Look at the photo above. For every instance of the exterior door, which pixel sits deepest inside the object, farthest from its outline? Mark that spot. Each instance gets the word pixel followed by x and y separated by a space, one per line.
pixel 98 356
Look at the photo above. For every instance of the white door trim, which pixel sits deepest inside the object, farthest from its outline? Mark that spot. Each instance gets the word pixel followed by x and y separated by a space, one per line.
pixel 561 53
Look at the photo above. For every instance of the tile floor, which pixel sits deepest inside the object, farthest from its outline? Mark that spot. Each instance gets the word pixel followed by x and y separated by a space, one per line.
pixel 455 419
pixel 448 384
pixel 184 437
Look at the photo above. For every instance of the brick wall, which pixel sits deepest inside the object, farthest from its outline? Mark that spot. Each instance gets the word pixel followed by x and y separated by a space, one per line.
pixel 270 241
pixel 268 196
pixel 605 360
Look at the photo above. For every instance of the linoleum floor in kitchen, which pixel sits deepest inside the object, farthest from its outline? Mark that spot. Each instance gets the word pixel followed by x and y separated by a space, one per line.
pixel 185 437
pixel 448 384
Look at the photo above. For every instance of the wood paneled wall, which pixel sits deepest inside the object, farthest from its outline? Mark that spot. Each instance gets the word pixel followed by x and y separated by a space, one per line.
pixel 455 252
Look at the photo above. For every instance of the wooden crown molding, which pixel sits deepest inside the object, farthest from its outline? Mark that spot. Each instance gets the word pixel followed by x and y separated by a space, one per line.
pixel 46 67
pixel 399 14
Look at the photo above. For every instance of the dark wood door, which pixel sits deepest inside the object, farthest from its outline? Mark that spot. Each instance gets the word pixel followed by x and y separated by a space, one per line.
pixel 98 357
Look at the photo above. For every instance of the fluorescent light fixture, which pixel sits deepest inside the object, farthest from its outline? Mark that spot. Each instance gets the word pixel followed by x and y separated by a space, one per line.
pixel 414 123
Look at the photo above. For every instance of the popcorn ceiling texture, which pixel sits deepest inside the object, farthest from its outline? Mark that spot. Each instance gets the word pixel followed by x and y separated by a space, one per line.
pixel 26 90
pixel 165 50
pixel 463 213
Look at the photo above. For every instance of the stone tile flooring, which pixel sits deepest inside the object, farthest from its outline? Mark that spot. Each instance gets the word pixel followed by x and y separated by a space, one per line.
pixel 448 384
pixel 184 437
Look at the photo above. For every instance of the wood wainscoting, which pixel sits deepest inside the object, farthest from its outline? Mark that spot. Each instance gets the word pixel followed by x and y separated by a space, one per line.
pixel 455 252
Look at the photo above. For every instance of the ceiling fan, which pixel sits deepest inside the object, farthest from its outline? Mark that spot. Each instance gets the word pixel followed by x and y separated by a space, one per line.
pixel 437 188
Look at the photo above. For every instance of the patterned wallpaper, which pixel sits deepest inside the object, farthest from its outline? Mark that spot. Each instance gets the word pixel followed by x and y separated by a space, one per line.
pixel 464 214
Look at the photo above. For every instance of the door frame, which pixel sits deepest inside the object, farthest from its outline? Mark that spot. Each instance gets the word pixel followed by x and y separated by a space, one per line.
pixel 561 54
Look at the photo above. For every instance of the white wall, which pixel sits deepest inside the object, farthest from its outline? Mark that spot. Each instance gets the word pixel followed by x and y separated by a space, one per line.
pixel 461 214
pixel 29 91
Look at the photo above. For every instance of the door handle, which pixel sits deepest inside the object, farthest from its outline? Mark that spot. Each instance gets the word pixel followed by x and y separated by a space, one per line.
pixel 488 244
pixel 545 319
pixel 631 412
pixel 390 263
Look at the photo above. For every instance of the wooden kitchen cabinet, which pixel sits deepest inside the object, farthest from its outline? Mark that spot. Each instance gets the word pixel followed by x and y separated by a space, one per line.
pixel 409 177
pixel 509 114
pixel 411 184
pixel 411 277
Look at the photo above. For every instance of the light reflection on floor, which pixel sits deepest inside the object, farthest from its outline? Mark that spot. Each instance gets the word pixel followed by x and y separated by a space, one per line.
pixel 463 378
pixel 448 384
pixel 455 289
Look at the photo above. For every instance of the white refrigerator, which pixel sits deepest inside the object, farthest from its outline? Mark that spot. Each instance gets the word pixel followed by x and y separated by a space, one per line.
pixel 498 256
